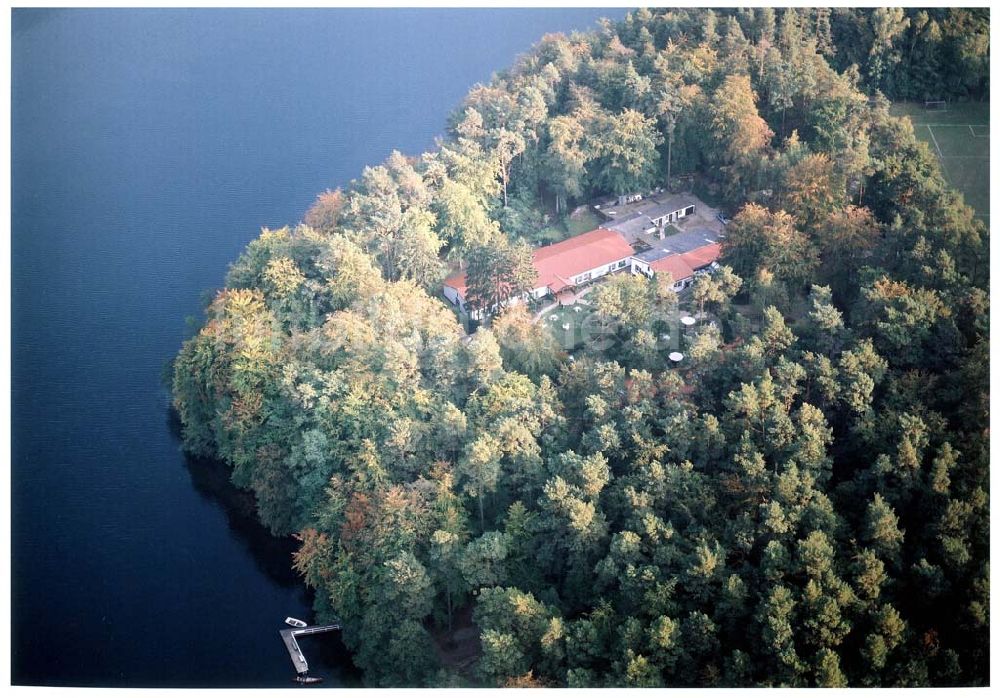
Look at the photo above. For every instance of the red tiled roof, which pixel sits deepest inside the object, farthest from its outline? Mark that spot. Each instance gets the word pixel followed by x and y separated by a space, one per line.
pixel 557 264
pixel 557 284
pixel 457 282
pixel 675 265
pixel 702 256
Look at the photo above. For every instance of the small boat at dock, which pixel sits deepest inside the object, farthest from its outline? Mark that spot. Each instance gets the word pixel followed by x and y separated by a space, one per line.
pixel 288 636
pixel 307 679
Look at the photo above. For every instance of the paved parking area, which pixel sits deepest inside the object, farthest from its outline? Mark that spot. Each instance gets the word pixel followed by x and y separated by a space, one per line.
pixel 695 230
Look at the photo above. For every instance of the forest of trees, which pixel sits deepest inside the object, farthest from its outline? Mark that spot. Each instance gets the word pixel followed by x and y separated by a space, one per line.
pixel 804 503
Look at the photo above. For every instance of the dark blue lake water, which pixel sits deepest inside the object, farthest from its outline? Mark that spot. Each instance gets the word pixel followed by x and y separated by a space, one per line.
pixel 148 148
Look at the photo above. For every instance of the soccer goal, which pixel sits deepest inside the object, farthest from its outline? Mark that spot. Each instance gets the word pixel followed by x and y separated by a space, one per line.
pixel 935 105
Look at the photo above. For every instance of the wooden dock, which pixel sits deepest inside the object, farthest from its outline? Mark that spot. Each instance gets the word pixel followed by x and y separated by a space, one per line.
pixel 288 636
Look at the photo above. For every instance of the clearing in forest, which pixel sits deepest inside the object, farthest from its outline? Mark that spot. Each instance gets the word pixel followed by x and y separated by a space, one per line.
pixel 959 135
pixel 582 220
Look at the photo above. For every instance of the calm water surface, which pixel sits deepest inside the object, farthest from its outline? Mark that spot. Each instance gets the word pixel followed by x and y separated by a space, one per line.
pixel 148 148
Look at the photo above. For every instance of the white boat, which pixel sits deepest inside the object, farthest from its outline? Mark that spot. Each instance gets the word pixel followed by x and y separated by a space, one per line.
pixel 295 622
pixel 307 679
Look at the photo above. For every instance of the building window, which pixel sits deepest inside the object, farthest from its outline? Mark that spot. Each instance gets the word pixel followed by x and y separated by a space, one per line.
pixel 689 210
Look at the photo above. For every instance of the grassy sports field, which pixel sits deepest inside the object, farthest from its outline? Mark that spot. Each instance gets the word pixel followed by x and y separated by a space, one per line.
pixel 960 137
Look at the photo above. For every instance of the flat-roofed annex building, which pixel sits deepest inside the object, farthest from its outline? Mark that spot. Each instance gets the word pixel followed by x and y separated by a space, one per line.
pixel 648 215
